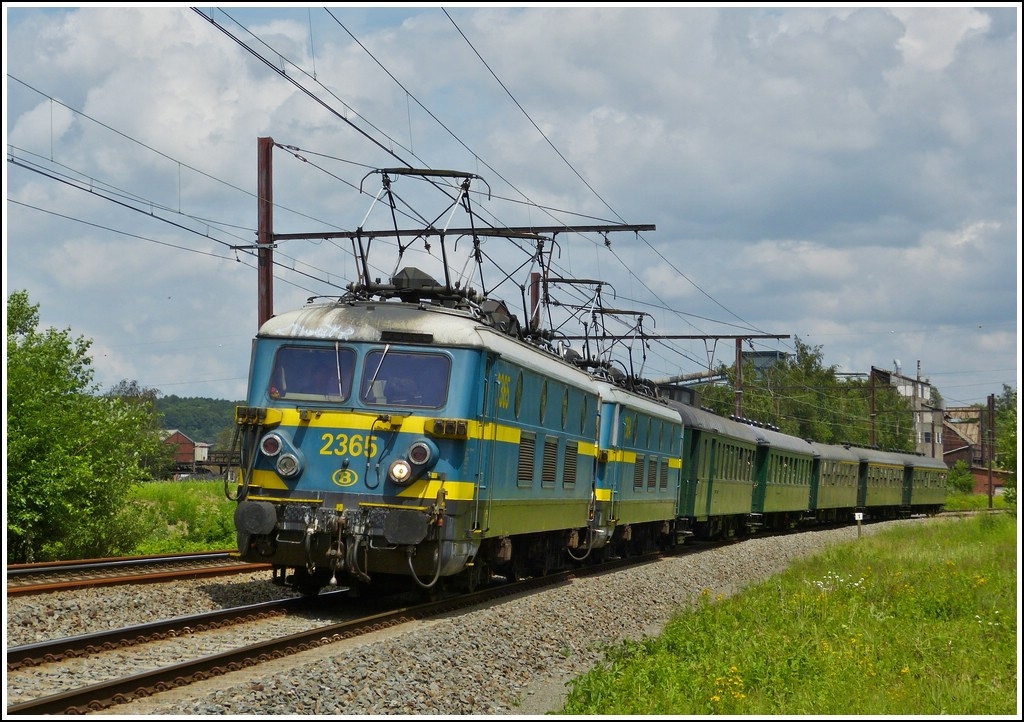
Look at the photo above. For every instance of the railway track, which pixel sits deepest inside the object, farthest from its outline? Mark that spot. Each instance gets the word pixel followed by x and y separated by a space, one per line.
pixel 272 631
pixel 175 653
pixel 55 576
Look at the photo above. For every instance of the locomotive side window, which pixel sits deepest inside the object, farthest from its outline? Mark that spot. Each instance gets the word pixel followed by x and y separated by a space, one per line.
pixel 312 373
pixel 402 378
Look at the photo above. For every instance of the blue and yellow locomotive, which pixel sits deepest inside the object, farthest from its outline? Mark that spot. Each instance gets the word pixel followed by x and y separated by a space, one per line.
pixel 386 439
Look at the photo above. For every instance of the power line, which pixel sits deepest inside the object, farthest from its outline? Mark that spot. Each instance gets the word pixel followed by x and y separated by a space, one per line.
pixel 409 94
pixel 589 187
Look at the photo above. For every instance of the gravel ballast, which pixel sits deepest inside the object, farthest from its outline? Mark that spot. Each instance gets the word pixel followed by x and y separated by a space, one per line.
pixel 510 658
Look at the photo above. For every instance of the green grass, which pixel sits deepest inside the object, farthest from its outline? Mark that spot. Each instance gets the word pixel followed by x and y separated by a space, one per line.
pixel 184 516
pixel 916 620
pixel 974 502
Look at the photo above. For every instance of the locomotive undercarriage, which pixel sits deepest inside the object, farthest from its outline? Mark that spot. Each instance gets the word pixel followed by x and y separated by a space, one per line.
pixel 309 544
pixel 749 524
pixel 539 554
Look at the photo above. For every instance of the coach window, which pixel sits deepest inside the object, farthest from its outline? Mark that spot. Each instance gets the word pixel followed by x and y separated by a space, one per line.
pixel 312 373
pixel 400 378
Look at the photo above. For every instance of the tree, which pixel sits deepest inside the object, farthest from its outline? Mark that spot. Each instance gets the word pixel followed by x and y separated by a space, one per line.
pixel 73 455
pixel 802 397
pixel 960 478
pixel 159 462
pixel 1006 441
pixel 200 419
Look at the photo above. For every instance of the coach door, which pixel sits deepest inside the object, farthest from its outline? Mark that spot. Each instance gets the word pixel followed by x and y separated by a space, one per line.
pixel 692 474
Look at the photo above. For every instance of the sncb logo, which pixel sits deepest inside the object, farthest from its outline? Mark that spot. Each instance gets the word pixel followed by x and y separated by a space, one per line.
pixel 344 477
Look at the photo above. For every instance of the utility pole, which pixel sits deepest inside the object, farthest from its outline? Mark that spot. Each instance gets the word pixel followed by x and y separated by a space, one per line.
pixel 990 433
pixel 739 377
pixel 265 229
pixel 872 406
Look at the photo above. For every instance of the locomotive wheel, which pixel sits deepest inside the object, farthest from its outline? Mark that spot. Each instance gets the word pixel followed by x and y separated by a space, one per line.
pixel 310 584
pixel 475 576
pixel 516 571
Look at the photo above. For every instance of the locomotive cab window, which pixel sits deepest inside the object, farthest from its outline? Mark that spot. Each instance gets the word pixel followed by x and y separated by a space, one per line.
pixel 307 373
pixel 393 378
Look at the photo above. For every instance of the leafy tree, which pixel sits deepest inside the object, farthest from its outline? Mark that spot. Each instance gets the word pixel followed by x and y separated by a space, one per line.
pixel 157 462
pixel 225 440
pixel 72 455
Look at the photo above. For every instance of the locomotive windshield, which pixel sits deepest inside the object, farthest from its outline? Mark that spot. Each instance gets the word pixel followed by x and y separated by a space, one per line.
pixel 312 373
pixel 405 379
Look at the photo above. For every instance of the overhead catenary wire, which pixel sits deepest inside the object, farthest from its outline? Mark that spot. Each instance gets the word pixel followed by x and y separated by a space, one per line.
pixel 663 305
pixel 409 94
pixel 284 266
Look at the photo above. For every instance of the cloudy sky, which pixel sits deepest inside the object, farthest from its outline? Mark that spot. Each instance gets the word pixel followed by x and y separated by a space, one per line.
pixel 844 175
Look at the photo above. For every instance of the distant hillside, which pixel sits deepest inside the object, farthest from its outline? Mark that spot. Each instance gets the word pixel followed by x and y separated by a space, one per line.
pixel 202 420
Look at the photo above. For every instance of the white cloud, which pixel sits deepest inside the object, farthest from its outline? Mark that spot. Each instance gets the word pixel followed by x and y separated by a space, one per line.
pixel 932 38
pixel 848 174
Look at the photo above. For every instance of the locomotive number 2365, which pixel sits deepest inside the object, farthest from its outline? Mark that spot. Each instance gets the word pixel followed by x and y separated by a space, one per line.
pixel 349 445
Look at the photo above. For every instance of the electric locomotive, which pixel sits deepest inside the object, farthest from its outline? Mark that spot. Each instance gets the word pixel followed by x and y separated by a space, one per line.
pixel 413 430
pixel 385 439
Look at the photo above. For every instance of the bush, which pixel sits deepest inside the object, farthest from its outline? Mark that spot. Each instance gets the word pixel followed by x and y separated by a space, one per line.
pixel 960 478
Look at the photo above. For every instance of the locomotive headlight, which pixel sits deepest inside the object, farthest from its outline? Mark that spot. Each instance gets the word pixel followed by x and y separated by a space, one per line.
pixel 418 458
pixel 400 471
pixel 271 445
pixel 288 465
